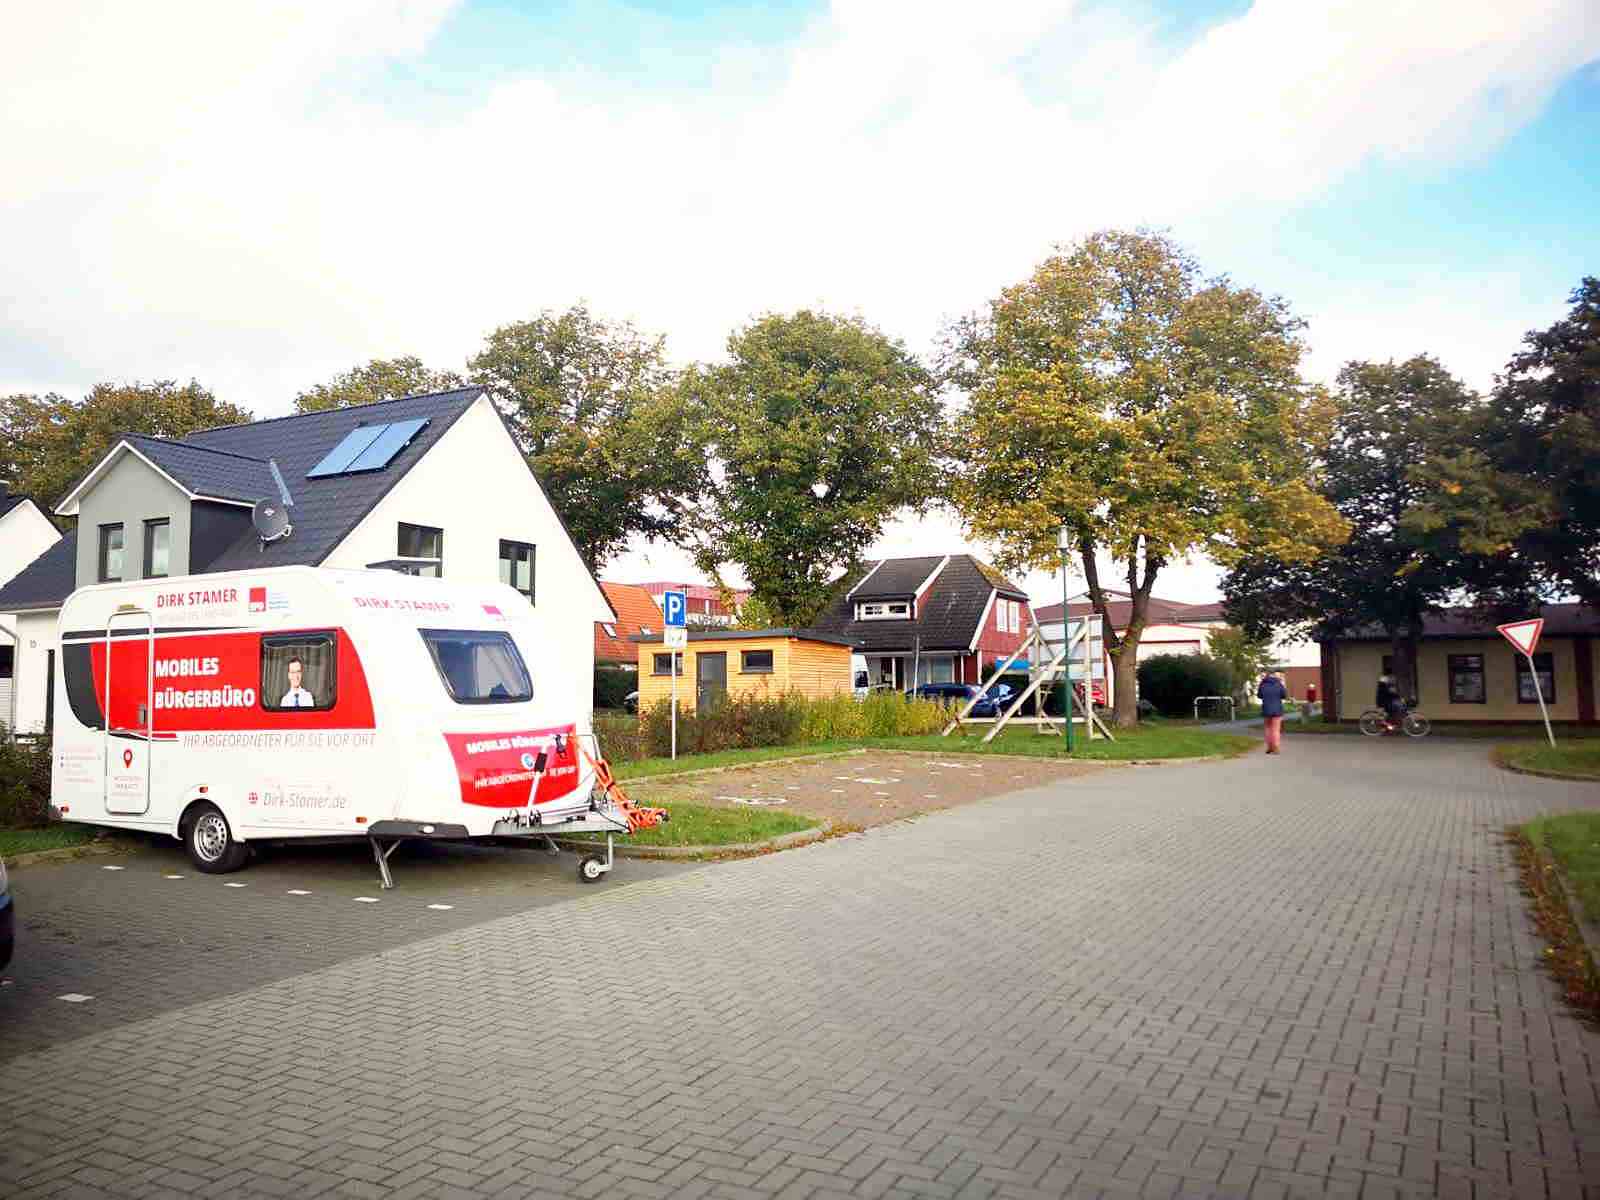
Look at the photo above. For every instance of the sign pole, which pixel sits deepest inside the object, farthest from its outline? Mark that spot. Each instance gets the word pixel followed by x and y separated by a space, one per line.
pixel 1066 641
pixel 1538 691
pixel 675 636
pixel 674 654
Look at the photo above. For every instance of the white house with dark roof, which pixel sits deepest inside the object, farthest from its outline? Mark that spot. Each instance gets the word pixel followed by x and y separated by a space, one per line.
pixel 938 619
pixel 430 485
pixel 25 533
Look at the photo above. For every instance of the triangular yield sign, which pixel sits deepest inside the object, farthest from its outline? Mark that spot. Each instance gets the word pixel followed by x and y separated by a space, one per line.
pixel 1524 635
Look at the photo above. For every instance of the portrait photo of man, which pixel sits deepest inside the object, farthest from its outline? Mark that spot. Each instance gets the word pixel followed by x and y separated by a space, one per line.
pixel 297 696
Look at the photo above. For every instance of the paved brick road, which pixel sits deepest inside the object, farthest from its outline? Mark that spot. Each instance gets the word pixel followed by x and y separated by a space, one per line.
pixel 1275 976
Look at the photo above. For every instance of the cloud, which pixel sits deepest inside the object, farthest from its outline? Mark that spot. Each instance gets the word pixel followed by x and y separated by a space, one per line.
pixel 244 193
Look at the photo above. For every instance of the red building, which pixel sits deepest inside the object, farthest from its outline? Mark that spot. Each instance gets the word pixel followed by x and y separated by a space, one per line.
pixel 705 602
pixel 941 619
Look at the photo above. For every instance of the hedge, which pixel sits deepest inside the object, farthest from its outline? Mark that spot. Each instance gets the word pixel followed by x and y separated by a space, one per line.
pixel 24 781
pixel 744 723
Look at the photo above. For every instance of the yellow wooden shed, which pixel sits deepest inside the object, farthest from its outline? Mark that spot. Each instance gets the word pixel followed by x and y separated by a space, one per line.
pixel 744 662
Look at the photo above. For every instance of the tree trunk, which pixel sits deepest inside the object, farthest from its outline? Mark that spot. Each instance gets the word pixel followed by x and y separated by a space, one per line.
pixel 1125 675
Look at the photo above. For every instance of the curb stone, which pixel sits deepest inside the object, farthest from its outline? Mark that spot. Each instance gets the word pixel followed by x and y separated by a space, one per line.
pixel 1538 773
pixel 787 841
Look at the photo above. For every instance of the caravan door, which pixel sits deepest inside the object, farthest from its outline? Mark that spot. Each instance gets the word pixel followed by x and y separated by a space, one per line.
pixel 130 653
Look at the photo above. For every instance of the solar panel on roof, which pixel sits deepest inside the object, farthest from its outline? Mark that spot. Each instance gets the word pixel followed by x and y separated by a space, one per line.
pixel 386 445
pixel 337 461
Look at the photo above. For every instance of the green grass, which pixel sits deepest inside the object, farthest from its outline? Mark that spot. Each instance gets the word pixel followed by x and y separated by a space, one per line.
pixel 1573 840
pixel 1582 760
pixel 645 768
pixel 705 825
pixel 1152 739
pixel 52 837
pixel 1481 730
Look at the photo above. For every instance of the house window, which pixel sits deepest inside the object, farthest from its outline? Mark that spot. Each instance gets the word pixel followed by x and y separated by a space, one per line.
pixel 299 671
pixel 157 548
pixel 1009 616
pixel 894 610
pixel 110 552
pixel 516 567
pixel 1466 679
pixel 423 542
pixel 1545 664
pixel 756 662
pixel 663 664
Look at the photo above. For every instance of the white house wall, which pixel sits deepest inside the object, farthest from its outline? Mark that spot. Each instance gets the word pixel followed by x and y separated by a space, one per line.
pixel 475 486
pixel 36 636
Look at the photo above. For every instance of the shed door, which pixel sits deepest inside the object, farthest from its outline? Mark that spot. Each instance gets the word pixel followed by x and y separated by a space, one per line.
pixel 129 710
pixel 711 679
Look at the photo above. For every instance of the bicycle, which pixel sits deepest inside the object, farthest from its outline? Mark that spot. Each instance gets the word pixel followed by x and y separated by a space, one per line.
pixel 1375 723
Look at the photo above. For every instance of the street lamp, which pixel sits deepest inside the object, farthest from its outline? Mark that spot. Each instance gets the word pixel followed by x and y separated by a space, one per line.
pixel 1064 544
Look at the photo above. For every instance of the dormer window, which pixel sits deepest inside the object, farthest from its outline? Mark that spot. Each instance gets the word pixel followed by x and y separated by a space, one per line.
pixel 884 610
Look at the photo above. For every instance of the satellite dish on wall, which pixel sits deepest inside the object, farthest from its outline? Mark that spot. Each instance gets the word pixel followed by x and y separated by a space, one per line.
pixel 271 520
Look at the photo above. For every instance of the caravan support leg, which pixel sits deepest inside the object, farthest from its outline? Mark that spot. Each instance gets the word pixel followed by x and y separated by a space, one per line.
pixel 382 857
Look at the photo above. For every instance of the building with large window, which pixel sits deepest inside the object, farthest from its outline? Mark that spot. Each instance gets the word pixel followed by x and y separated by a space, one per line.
pixel 1467 672
pixel 427 485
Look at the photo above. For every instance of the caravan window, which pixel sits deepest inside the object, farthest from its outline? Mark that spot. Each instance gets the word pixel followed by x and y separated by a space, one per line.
pixel 299 670
pixel 479 667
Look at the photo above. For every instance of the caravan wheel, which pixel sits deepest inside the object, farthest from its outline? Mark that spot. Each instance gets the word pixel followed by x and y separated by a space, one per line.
pixel 590 868
pixel 211 844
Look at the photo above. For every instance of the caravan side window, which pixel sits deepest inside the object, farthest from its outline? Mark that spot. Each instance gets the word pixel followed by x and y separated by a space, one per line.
pixel 479 666
pixel 299 670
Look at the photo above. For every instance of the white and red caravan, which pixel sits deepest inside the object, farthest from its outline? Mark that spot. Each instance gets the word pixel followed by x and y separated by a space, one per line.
pixel 301 702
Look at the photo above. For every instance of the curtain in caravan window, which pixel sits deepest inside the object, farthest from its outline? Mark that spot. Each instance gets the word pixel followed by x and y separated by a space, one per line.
pixel 298 671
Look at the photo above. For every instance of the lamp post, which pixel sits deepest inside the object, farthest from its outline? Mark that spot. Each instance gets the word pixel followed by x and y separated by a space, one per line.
pixel 1064 543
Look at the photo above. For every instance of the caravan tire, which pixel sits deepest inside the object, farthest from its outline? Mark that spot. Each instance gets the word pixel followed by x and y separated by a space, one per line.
pixel 210 842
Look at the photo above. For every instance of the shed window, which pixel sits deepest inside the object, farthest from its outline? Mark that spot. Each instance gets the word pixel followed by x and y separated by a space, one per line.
pixel 1545 664
pixel 299 671
pixel 663 664
pixel 756 662
pixel 1466 679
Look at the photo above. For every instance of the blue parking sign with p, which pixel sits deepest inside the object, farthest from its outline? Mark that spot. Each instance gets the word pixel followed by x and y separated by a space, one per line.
pixel 675 608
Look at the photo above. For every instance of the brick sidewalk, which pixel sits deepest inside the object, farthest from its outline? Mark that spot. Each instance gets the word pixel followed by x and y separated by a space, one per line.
pixel 1266 977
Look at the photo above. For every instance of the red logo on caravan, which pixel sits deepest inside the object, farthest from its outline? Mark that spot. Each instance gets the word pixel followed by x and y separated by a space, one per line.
pixel 492 611
pixel 258 599
pixel 127 758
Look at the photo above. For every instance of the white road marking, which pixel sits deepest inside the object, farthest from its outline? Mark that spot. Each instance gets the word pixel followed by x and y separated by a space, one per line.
pixel 929 796
pixel 756 801
pixel 298 892
pixel 880 793
pixel 837 791
pixel 113 868
pixel 956 766
pixel 366 899
pixel 172 877
pixel 860 779
pixel 441 907
pixel 793 787
pixel 235 885
pixel 74 997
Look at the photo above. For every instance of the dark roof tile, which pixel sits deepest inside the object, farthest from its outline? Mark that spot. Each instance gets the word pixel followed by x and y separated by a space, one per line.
pixel 46 581
pixel 947 618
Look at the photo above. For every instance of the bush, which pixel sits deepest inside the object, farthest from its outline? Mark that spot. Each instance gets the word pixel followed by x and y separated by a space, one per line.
pixel 745 723
pixel 24 781
pixel 611 684
pixel 1172 681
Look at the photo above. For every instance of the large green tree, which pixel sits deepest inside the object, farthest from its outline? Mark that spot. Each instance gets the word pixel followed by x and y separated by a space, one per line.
pixel 820 427
pixel 1389 418
pixel 48 443
pixel 1516 496
pixel 380 379
pixel 590 402
pixel 1151 412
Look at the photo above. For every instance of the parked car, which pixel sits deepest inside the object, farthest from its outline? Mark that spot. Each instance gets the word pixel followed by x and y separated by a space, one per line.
pixel 956 695
pixel 8 918
pixel 630 702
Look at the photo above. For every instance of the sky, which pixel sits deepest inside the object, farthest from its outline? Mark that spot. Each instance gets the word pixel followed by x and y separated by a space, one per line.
pixel 261 194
